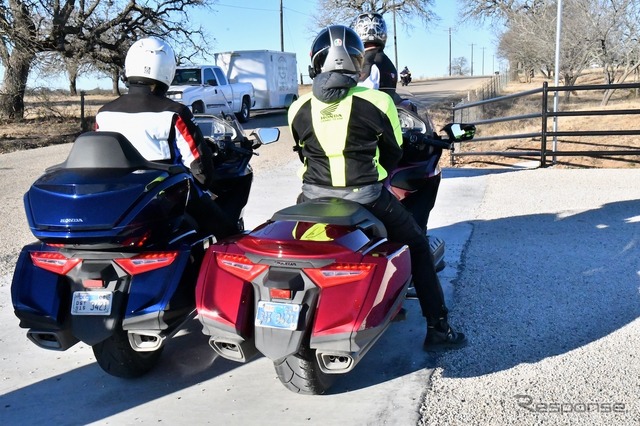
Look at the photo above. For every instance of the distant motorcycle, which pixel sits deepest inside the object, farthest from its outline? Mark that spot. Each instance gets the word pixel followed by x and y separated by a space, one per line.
pixel 315 287
pixel 118 255
pixel 405 78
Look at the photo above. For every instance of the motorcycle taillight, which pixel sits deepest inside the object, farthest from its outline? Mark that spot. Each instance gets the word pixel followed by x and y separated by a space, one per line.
pixel 339 273
pixel 53 261
pixel 146 262
pixel 239 266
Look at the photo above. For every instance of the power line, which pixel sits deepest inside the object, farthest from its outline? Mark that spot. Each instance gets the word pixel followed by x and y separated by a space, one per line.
pixel 261 9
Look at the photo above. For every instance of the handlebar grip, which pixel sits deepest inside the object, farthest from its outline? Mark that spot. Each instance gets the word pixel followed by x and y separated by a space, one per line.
pixel 437 142
pixel 244 151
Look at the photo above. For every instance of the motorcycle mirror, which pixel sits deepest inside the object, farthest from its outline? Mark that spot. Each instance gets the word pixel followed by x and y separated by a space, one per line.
pixel 266 135
pixel 460 132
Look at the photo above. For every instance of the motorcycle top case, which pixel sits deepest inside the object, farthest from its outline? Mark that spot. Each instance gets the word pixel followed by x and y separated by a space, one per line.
pixel 76 200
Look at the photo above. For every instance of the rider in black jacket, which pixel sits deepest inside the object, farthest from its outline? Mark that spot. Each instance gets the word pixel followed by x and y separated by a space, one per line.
pixel 162 129
pixel 378 71
pixel 348 138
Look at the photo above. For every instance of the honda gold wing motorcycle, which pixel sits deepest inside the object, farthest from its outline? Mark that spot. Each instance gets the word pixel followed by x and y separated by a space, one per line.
pixel 117 256
pixel 314 287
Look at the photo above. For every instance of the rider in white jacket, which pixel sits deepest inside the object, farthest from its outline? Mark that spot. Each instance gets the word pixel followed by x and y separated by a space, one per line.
pixel 162 129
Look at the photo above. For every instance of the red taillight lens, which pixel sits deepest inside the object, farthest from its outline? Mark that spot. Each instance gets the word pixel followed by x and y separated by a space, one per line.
pixel 339 273
pixel 146 262
pixel 53 261
pixel 240 266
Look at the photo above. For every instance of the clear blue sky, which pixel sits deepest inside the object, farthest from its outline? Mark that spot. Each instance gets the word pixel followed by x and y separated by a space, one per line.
pixel 255 25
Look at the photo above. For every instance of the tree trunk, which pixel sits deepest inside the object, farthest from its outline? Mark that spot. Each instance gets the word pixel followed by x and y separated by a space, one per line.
pixel 14 85
pixel 116 82
pixel 73 80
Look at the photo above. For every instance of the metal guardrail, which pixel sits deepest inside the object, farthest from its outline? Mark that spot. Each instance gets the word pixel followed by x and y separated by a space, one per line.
pixel 464 113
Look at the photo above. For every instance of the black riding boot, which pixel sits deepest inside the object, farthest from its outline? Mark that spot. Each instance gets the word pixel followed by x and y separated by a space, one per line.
pixel 441 337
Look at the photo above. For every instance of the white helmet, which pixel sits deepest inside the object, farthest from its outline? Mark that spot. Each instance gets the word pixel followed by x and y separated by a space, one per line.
pixel 150 59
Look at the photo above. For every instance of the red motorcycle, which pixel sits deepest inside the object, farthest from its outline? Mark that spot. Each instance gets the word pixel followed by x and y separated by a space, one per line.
pixel 316 286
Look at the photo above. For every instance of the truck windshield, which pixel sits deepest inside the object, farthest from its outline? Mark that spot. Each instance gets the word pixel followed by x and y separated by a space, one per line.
pixel 186 77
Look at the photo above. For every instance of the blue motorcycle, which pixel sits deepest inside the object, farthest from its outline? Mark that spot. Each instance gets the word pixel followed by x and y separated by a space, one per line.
pixel 117 256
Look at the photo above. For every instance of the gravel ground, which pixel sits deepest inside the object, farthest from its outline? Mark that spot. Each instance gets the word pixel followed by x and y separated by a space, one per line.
pixel 548 292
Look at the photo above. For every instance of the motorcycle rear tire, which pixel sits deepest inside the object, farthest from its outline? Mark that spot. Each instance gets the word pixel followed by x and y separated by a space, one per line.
pixel 300 373
pixel 116 357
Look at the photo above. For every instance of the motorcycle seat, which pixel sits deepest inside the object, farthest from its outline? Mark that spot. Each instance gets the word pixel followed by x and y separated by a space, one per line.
pixel 333 211
pixel 110 150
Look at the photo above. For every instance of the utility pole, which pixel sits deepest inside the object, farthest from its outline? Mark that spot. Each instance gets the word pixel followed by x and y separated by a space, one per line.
pixel 281 28
pixel 483 61
pixel 472 44
pixel 449 51
pixel 556 77
pixel 395 38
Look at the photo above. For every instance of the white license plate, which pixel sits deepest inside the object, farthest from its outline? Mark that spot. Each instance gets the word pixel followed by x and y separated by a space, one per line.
pixel 277 315
pixel 91 302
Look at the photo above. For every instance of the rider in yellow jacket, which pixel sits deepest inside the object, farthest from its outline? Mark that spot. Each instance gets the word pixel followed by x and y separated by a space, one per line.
pixel 348 137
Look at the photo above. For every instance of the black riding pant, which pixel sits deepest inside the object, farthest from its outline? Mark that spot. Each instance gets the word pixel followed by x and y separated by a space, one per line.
pixel 402 228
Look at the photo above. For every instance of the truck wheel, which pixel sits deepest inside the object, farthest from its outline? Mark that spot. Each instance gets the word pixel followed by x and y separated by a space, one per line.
pixel 197 107
pixel 300 373
pixel 245 111
pixel 116 357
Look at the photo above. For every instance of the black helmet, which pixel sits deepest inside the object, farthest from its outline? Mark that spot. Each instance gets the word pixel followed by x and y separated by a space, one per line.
pixel 371 28
pixel 336 48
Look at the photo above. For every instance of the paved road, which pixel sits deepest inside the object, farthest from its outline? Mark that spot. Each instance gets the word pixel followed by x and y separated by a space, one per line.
pixel 427 92
pixel 543 275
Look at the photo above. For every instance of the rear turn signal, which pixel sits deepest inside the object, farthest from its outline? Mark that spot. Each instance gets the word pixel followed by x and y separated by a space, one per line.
pixel 53 261
pixel 339 273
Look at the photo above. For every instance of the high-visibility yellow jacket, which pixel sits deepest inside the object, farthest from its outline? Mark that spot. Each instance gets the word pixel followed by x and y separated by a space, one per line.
pixel 353 141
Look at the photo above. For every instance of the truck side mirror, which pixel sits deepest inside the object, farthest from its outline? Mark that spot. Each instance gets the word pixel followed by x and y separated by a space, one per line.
pixel 212 82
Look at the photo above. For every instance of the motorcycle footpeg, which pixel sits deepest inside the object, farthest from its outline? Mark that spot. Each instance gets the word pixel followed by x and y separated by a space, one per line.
pixel 411 293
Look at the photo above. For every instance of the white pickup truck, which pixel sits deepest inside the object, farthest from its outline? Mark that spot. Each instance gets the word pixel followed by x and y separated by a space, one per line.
pixel 206 90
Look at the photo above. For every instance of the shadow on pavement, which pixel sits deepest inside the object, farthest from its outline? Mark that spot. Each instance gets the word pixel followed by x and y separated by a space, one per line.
pixel 543 285
pixel 88 394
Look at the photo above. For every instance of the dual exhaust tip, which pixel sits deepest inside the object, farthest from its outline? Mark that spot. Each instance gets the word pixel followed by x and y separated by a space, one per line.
pixel 59 340
pixel 242 351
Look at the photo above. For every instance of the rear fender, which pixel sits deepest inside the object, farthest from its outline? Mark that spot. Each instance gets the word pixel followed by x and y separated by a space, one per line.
pixel 277 343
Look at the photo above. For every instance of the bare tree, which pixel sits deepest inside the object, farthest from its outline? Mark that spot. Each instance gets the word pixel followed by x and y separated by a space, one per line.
pixel 616 30
pixel 97 29
pixel 459 66
pixel 344 11
pixel 591 29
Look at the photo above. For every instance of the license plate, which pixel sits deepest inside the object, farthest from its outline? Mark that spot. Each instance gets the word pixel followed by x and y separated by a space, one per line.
pixel 277 315
pixel 91 303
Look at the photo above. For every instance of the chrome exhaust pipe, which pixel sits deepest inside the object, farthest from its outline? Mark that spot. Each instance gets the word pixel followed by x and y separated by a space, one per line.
pixel 53 340
pixel 144 341
pixel 239 351
pixel 335 363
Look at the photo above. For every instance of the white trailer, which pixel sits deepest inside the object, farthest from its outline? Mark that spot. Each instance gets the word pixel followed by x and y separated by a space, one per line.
pixel 273 75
